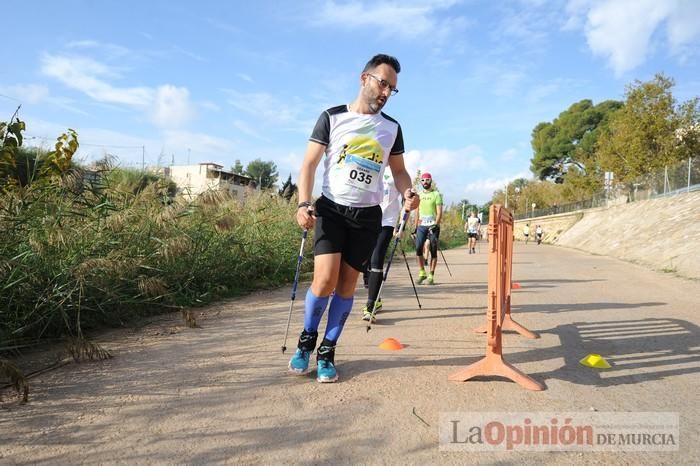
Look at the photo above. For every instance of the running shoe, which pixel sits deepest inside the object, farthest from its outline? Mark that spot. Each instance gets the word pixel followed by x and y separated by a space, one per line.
pixel 299 364
pixel 326 372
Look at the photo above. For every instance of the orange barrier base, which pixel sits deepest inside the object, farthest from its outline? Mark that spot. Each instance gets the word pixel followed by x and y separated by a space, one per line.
pixel 494 365
pixel 510 324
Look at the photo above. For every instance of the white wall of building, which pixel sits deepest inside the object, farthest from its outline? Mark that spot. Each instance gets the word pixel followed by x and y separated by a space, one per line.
pixel 193 180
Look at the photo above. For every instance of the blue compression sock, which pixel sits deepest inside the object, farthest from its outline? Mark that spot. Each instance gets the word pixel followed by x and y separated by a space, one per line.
pixel 338 312
pixel 314 307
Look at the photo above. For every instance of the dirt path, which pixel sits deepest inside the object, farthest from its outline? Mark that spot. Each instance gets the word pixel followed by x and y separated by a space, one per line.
pixel 221 394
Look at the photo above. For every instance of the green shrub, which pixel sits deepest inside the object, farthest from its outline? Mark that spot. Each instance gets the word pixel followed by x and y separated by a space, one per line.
pixel 78 255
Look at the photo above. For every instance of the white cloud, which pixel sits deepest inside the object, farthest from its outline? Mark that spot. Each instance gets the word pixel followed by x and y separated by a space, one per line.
pixel 202 147
pixel 88 76
pixel 37 95
pixel 444 161
pixel 265 105
pixel 408 19
pixel 271 111
pixel 450 168
pixel 226 27
pixel 27 93
pixel 245 77
pixel 209 105
pixel 684 28
pixel 622 30
pixel 189 54
pixel 171 107
pixel 481 190
pixel 245 128
pixel 111 50
pixel 509 154
pixel 130 150
pixel 168 105
pixel 502 80
pixel 94 142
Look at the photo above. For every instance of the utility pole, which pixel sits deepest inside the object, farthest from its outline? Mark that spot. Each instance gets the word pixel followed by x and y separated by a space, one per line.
pixel 143 158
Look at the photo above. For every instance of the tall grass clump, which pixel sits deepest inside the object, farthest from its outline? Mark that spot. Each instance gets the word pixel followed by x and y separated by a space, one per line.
pixel 82 250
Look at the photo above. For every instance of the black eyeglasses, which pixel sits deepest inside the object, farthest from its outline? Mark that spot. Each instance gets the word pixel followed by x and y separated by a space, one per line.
pixel 384 84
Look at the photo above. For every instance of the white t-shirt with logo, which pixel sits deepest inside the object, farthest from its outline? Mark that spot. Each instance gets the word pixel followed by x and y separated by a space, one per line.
pixel 391 203
pixel 358 147
pixel 472 223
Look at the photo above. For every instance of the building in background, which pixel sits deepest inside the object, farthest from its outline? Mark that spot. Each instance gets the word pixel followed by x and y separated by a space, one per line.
pixel 193 180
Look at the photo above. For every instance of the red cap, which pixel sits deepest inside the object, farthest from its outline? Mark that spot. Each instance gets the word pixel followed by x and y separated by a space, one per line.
pixel 426 175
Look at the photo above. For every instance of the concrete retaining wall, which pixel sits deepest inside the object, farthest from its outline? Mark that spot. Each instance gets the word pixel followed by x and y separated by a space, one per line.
pixel 663 233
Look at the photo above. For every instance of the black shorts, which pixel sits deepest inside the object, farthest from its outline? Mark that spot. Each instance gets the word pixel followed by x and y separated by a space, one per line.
pixel 473 235
pixel 351 231
pixel 423 233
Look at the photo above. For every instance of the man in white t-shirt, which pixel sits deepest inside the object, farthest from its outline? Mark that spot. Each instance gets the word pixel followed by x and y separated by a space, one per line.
pixel 538 234
pixel 358 141
pixel 526 232
pixel 471 227
pixel 391 210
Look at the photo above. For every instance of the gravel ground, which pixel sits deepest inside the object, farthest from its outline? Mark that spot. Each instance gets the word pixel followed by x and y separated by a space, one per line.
pixel 221 393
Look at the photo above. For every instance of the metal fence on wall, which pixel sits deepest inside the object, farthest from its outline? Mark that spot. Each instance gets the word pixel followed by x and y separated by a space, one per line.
pixel 675 179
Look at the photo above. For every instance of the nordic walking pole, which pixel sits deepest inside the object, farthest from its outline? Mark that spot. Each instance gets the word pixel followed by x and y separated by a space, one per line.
pixel 443 259
pixel 411 277
pixel 388 265
pixel 294 288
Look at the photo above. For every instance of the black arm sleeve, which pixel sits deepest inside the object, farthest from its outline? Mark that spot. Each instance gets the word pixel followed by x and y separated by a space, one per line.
pixel 322 131
pixel 397 148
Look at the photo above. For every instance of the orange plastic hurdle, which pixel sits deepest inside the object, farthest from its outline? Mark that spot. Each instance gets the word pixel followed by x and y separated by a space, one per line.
pixel 500 232
pixel 508 322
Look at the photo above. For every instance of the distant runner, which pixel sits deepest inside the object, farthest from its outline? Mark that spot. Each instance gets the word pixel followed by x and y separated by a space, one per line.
pixel 526 232
pixel 471 227
pixel 538 234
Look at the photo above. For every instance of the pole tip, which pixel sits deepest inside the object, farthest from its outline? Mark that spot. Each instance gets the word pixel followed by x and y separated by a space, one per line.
pixel 284 348
pixel 369 327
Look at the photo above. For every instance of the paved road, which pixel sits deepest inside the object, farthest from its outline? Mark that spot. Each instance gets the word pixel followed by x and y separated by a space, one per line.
pixel 221 394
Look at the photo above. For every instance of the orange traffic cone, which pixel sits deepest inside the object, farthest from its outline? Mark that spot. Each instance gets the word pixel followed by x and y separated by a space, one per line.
pixel 391 344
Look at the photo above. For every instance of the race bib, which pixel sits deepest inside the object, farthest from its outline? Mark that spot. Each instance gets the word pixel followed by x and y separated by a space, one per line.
pixel 427 220
pixel 361 173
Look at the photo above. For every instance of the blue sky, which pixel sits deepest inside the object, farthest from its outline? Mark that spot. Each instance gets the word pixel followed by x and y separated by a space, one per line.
pixel 213 81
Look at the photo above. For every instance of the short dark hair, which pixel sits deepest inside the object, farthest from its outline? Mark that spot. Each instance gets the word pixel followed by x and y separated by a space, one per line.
pixel 381 59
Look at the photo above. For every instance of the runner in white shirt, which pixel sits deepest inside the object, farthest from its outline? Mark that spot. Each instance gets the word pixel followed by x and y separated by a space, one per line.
pixel 391 209
pixel 358 142
pixel 471 227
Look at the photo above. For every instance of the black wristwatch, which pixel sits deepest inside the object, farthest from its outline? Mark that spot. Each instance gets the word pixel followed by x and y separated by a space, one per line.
pixel 306 204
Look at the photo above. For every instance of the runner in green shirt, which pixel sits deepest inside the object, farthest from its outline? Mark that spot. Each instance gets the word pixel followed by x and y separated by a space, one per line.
pixel 429 218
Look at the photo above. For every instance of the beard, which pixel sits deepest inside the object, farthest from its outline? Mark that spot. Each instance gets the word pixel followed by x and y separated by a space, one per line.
pixel 374 101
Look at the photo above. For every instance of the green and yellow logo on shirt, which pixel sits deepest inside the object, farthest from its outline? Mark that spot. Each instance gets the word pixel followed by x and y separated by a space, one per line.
pixel 363 146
